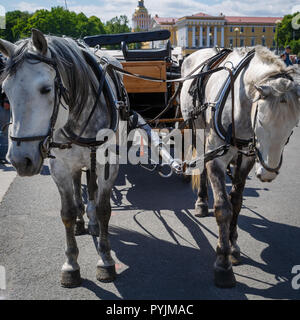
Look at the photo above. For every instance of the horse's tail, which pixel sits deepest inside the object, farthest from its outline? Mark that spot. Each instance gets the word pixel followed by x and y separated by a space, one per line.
pixel 196 174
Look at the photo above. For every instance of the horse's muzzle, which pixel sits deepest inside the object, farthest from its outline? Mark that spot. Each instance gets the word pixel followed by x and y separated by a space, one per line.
pixel 263 175
pixel 26 166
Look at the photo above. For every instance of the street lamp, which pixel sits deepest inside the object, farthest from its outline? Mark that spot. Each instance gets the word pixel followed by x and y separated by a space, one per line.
pixel 236 30
pixel 263 40
pixel 277 22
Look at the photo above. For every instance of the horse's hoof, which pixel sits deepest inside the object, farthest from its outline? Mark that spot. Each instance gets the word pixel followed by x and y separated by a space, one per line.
pixel 71 279
pixel 235 258
pixel 224 278
pixel 201 210
pixel 94 230
pixel 80 228
pixel 106 274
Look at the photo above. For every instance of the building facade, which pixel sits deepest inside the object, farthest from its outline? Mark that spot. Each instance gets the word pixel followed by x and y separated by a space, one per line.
pixel 202 30
pixel 141 19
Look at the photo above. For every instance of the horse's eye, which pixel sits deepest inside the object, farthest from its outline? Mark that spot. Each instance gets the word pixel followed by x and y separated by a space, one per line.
pixel 45 90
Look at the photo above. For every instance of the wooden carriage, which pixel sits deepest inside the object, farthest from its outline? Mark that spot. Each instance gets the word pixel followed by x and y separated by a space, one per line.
pixel 146 97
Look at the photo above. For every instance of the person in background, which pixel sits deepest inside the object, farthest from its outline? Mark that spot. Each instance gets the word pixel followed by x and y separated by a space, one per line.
pixel 283 56
pixel 287 53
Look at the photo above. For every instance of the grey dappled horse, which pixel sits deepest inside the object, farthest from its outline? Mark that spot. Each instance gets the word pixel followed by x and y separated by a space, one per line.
pixel 267 106
pixel 36 68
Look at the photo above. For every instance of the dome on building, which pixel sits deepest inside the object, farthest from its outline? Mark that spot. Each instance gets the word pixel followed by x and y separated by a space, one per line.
pixel 141 8
pixel 141 19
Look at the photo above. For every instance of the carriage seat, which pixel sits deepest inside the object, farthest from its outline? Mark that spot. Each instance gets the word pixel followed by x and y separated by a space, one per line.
pixel 147 55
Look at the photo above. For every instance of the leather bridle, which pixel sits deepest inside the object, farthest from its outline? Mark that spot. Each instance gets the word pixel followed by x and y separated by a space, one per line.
pixel 117 105
pixel 46 142
pixel 256 152
pixel 253 145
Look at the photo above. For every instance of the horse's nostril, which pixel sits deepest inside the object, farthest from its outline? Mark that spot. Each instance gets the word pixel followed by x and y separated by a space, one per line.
pixel 28 162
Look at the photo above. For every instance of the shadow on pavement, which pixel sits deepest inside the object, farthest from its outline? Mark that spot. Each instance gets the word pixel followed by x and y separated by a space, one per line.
pixel 159 269
pixel 6 167
pixel 162 270
pixel 170 194
pixel 281 254
pixel 45 171
pixel 99 292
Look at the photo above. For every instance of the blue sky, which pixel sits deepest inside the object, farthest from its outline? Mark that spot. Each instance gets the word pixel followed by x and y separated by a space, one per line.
pixel 106 9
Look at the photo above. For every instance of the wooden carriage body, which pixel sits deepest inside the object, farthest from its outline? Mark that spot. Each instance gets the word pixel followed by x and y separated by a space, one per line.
pixel 146 97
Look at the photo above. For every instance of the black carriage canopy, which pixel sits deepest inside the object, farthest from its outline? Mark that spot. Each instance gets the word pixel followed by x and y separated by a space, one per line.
pixel 133 37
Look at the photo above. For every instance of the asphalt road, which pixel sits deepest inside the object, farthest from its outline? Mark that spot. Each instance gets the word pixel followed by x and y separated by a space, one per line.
pixel 162 250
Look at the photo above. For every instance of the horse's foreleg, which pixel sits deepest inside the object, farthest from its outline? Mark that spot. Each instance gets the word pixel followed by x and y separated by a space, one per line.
pixel 202 201
pixel 93 226
pixel 69 211
pixel 223 273
pixel 200 182
pixel 106 271
pixel 79 227
pixel 242 169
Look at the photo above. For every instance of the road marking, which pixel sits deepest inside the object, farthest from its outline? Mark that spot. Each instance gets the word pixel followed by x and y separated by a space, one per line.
pixel 7 176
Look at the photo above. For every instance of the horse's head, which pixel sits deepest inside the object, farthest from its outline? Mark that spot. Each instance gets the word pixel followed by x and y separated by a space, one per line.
pixel 30 88
pixel 275 113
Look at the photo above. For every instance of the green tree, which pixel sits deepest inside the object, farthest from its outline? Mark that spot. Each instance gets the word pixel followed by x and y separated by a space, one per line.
pixel 95 26
pixel 117 25
pixel 57 21
pixel 286 35
pixel 295 46
pixel 16 23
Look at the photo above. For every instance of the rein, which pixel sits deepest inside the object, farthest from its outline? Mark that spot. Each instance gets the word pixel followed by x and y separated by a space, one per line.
pixel 229 136
pixel 121 105
pixel 253 150
pixel 218 109
pixel 116 106
pixel 47 142
pixel 60 91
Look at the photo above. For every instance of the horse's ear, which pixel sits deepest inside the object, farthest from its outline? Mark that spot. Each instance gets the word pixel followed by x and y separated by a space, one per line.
pixel 265 91
pixel 7 48
pixel 39 41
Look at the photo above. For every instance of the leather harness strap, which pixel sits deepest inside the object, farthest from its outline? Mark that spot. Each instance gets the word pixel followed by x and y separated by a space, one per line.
pixel 47 142
pixel 59 92
pixel 122 104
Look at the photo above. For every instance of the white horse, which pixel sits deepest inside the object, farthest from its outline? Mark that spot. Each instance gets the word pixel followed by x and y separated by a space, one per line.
pixel 267 108
pixel 51 87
